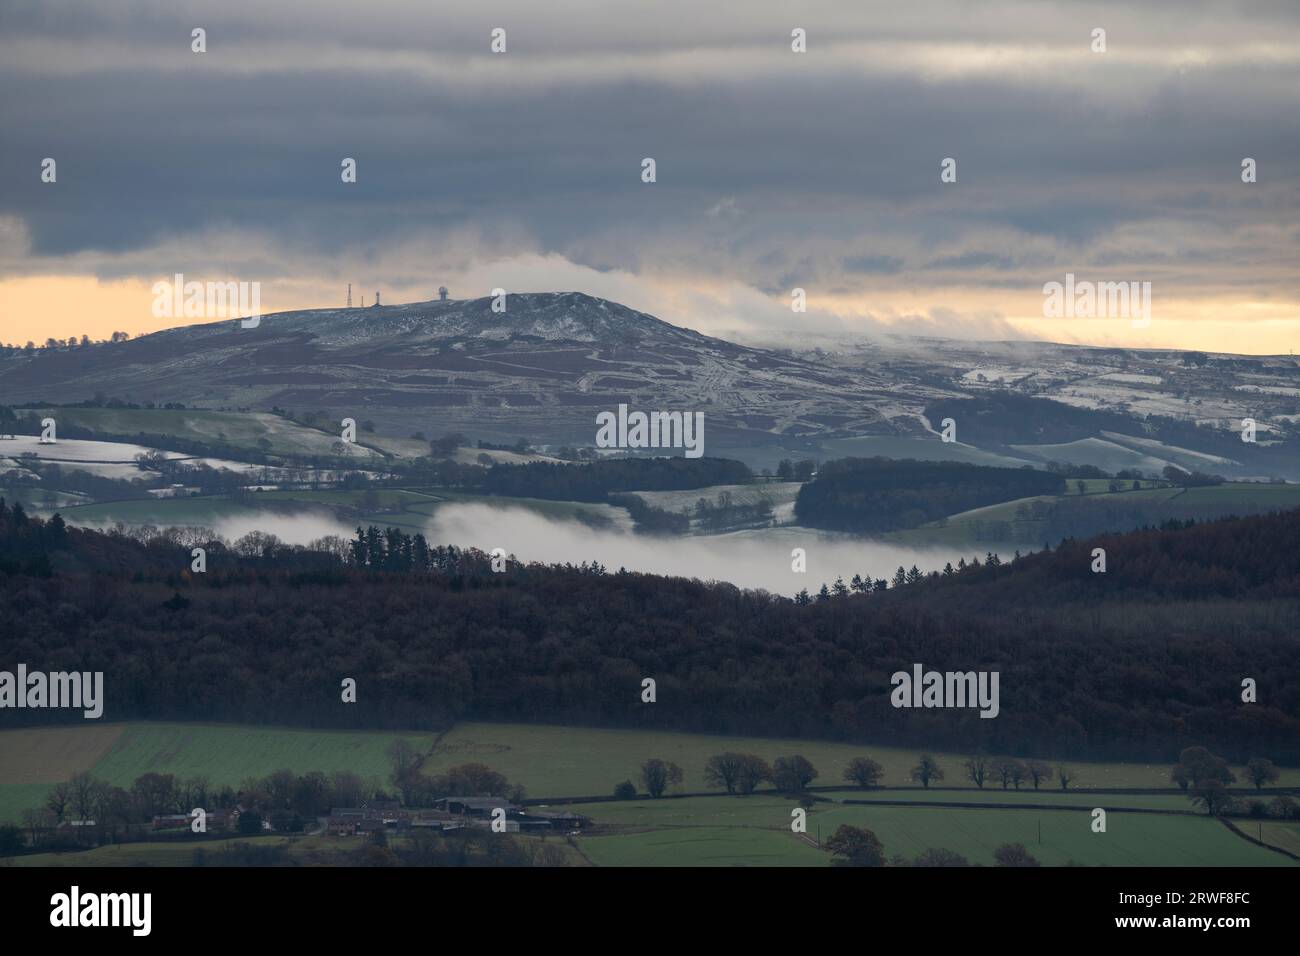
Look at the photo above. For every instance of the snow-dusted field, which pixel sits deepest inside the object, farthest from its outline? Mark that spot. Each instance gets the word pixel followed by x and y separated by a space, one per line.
pixel 1001 374
pixel 1267 389
pixel 780 493
pixel 74 449
pixel 1141 402
pixel 1131 379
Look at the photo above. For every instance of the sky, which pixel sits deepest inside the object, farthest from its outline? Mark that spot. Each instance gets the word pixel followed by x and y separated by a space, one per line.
pixel 775 170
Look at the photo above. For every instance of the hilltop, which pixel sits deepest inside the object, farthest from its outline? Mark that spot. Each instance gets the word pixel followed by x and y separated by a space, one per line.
pixel 543 368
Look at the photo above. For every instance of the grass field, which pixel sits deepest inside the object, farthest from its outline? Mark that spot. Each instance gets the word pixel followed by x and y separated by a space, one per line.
pixel 18 797
pixel 702 846
pixel 551 761
pixel 564 761
pixel 225 754
pixel 1274 833
pixel 568 762
pixel 699 831
pixel 303 850
pixel 994 794
pixel 178 853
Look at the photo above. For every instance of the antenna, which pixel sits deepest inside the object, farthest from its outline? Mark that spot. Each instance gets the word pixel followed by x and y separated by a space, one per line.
pixel 349 295
pixel 376 297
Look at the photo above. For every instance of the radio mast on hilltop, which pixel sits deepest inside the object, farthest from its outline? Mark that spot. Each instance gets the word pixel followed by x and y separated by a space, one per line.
pixel 442 293
pixel 376 297
pixel 349 295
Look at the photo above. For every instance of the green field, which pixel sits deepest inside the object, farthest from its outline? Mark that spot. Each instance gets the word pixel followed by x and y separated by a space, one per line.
pixel 228 755
pixel 1274 833
pixel 169 853
pixel 567 762
pixel 550 761
pixel 17 797
pixel 313 850
pixel 571 761
pixel 225 754
pixel 994 794
pixel 700 831
pixel 702 846
pixel 1131 839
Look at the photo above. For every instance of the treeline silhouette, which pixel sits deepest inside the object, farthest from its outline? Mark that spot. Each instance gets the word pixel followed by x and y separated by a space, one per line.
pixel 867 495
pixel 1137 662
pixel 594 481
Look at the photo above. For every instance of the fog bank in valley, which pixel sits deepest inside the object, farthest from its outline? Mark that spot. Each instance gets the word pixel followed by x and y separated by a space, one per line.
pixel 750 559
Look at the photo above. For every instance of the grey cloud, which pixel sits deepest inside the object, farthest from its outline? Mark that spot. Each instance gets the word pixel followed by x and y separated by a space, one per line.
pixel 829 167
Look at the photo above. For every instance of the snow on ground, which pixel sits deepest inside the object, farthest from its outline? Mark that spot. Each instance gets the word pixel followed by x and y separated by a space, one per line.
pixel 1106 455
pixel 995 373
pixel 1267 389
pixel 1131 379
pixel 1140 402
pixel 74 449
pixel 780 493
pixel 1163 450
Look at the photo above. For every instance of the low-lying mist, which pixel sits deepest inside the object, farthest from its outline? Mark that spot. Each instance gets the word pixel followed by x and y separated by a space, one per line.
pixel 749 559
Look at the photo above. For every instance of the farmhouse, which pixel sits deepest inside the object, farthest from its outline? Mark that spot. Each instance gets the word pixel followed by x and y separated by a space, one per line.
pixel 341 825
pixel 437 820
pixel 449 813
pixel 370 817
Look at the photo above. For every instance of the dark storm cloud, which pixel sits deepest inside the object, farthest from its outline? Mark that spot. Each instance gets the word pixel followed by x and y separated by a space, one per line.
pixel 764 158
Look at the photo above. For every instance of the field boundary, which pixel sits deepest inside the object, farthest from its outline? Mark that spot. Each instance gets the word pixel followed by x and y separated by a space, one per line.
pixel 1250 839
pixel 1099 791
pixel 1011 806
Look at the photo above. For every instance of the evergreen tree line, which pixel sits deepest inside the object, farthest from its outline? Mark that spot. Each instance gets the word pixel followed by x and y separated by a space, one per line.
pixel 872 495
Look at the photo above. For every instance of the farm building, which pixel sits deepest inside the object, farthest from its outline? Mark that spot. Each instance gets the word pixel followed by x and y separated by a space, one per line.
pixel 478 807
